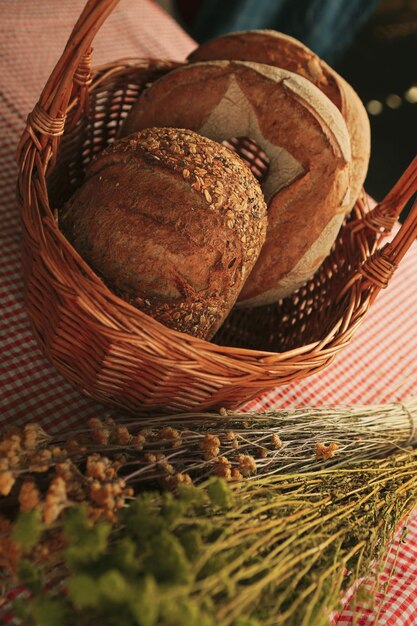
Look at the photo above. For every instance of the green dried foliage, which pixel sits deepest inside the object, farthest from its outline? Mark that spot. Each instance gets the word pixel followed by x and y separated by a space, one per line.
pixel 278 550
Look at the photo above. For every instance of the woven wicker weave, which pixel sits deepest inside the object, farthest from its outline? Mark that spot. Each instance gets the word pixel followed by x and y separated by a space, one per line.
pixel 116 353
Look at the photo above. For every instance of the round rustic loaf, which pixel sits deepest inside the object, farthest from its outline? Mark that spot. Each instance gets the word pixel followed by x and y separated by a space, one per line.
pixel 305 138
pixel 173 223
pixel 279 50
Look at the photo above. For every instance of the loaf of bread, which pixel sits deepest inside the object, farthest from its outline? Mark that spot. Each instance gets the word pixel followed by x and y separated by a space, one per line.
pixel 305 138
pixel 279 50
pixel 173 223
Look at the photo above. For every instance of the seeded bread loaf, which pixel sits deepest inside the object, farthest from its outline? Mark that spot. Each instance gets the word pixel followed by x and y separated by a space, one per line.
pixel 173 223
pixel 279 50
pixel 305 138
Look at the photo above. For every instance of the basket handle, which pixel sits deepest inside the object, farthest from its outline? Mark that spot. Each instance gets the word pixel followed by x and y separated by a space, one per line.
pixel 70 77
pixel 379 268
pixel 382 264
pixel 376 272
pixel 384 215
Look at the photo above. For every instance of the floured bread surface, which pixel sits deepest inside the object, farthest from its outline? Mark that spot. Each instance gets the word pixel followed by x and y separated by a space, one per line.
pixel 280 50
pixel 173 223
pixel 301 131
pixel 272 48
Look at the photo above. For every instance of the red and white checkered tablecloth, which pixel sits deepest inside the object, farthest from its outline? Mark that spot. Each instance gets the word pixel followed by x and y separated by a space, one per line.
pixel 379 366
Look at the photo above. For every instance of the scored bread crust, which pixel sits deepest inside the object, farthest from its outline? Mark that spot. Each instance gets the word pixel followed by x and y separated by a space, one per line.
pixel 173 223
pixel 280 50
pixel 305 138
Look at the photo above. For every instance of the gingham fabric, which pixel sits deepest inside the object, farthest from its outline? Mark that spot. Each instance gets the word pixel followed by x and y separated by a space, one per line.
pixel 379 366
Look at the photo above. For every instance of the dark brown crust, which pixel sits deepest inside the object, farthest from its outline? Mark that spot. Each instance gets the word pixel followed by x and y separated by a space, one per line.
pixel 162 217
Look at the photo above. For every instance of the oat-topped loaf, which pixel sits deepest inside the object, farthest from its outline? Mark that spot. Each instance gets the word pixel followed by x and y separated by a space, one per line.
pixel 173 223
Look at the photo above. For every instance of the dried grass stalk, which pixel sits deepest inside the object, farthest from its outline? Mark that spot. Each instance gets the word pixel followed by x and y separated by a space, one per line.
pixel 190 447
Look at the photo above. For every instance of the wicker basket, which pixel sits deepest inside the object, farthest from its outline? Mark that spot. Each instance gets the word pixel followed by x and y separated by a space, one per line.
pixel 114 352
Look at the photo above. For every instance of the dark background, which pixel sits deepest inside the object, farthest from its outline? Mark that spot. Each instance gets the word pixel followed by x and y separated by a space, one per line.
pixel 381 62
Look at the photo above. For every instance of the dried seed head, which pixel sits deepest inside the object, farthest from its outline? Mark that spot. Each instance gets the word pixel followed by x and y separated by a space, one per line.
pixel 222 467
pixel 7 478
pixel 122 435
pixel 211 446
pixel 171 434
pixel 276 441
pixel 138 441
pixel 324 451
pixel 247 464
pixel 56 500
pixel 41 461
pixel 236 475
pixel 33 435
